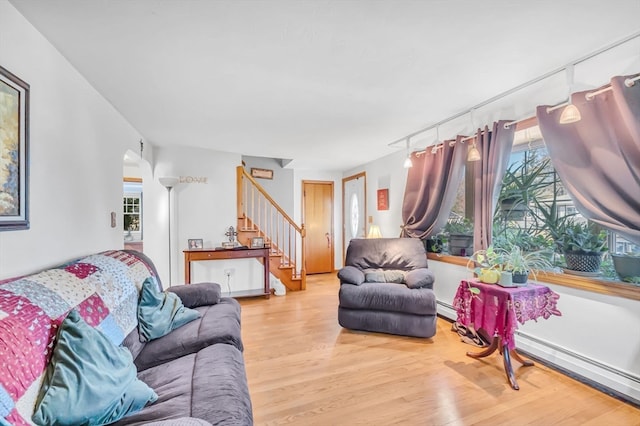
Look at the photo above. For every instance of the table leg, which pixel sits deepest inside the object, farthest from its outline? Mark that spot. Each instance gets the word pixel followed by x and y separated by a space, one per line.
pixel 495 343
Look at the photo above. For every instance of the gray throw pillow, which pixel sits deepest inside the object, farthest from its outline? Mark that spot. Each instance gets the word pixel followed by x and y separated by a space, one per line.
pixel 160 312
pixel 419 278
pixel 201 294
pixel 351 275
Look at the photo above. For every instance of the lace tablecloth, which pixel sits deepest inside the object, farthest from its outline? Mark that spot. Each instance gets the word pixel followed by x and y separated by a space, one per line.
pixel 498 310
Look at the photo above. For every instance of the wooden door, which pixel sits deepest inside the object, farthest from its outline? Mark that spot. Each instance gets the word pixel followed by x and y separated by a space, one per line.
pixel 317 216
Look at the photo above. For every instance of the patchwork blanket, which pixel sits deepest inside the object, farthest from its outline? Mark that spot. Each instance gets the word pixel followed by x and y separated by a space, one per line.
pixel 104 289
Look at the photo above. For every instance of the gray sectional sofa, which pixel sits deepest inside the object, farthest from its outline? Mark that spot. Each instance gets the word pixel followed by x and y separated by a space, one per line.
pixel 386 286
pixel 196 371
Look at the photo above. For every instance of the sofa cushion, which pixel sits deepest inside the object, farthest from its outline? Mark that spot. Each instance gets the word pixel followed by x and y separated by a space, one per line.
pixel 160 312
pixel 421 277
pixel 76 389
pixel 351 275
pixel 386 253
pixel 384 276
pixel 388 297
pixel 210 385
pixel 200 294
pixel 218 323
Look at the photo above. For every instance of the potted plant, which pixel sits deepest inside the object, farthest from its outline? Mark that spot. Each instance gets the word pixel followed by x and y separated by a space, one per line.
pixel 460 235
pixel 582 245
pixel 627 266
pixel 435 243
pixel 521 263
pixel 487 264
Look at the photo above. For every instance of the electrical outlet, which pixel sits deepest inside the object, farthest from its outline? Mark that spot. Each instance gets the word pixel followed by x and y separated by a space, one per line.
pixel 229 272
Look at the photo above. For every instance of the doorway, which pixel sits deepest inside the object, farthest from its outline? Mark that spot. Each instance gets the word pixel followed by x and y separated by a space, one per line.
pixel 354 209
pixel 317 216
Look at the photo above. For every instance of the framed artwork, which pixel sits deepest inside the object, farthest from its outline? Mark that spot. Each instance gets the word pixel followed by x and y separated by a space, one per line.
pixel 261 173
pixel 195 243
pixel 383 199
pixel 257 242
pixel 14 152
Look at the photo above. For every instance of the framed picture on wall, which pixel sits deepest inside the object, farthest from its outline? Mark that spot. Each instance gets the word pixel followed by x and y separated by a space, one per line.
pixel 261 173
pixel 383 199
pixel 14 152
pixel 195 243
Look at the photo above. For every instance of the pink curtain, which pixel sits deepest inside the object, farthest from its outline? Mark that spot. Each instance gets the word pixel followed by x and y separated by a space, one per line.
pixel 495 149
pixel 431 189
pixel 598 157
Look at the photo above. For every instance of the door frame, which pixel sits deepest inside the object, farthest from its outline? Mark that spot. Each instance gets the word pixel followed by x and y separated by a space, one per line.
pixel 303 215
pixel 344 229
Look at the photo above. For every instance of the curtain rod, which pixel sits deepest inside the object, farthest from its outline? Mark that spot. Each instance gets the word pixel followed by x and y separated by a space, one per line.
pixel 520 87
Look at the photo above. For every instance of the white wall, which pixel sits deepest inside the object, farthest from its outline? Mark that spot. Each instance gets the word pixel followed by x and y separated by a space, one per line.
pixel 199 209
pixel 77 143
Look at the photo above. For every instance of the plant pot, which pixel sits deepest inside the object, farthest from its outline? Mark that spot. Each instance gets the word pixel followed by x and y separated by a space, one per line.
pixel 627 267
pixel 460 244
pixel 583 262
pixel 520 277
pixel 434 244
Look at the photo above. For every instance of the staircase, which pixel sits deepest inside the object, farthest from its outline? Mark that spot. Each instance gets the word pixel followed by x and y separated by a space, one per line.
pixel 260 216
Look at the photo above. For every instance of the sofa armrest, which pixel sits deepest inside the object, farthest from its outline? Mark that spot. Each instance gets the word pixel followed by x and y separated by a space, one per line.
pixel 419 278
pixel 351 275
pixel 201 294
pixel 182 421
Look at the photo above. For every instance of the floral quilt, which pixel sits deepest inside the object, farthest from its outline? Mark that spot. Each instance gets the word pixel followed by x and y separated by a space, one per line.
pixel 104 289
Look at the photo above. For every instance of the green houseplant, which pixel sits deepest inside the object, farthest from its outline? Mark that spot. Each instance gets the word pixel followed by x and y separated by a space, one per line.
pixel 460 236
pixel 521 263
pixel 582 245
pixel 487 264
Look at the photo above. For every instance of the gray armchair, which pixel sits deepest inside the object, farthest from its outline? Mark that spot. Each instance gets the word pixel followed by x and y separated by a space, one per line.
pixel 385 286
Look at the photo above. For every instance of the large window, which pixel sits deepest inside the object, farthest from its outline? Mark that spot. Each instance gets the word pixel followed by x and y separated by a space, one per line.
pixel 533 207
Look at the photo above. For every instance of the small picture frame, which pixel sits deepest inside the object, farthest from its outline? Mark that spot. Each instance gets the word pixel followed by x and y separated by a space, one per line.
pixel 261 173
pixel 257 242
pixel 195 243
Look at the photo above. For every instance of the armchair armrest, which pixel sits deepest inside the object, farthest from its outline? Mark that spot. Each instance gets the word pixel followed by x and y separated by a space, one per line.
pixel 419 278
pixel 351 275
pixel 201 294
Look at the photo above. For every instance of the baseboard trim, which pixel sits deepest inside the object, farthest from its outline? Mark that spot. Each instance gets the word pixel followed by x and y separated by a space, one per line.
pixel 612 381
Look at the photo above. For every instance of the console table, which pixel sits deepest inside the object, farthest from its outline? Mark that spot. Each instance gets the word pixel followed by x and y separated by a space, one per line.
pixel 196 255
pixel 497 311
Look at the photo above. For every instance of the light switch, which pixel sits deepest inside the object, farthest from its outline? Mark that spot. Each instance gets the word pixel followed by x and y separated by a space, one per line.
pixel 113 219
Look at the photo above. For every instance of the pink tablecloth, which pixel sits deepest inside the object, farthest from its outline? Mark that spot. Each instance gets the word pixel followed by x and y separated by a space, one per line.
pixel 498 310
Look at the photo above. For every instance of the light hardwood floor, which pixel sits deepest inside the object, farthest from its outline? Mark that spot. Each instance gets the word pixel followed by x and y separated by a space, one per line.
pixel 304 369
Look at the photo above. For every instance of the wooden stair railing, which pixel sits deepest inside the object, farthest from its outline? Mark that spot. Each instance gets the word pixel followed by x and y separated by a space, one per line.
pixel 260 216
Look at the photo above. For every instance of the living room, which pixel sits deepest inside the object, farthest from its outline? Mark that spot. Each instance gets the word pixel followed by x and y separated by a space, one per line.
pixel 78 138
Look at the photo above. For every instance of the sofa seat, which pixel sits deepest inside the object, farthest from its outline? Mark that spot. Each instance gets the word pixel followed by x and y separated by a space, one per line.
pixel 388 297
pixel 209 384
pixel 219 323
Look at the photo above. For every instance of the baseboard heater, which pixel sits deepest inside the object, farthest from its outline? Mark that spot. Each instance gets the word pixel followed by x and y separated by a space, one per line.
pixel 581 378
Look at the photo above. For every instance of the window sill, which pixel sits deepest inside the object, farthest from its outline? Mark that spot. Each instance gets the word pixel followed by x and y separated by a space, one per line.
pixel 611 288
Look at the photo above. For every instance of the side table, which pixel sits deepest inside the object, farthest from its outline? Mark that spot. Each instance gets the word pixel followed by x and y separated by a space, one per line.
pixel 498 310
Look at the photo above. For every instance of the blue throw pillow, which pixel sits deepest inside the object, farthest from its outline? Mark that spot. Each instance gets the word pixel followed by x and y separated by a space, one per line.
pixel 160 312
pixel 89 380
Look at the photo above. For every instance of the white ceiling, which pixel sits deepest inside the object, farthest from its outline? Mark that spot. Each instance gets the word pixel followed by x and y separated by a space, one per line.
pixel 328 84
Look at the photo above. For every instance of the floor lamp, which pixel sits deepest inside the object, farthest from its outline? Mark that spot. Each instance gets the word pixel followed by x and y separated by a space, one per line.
pixel 169 183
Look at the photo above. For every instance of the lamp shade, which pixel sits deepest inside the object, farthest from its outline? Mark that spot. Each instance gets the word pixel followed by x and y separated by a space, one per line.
pixel 473 154
pixel 374 232
pixel 407 162
pixel 570 114
pixel 169 181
